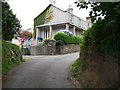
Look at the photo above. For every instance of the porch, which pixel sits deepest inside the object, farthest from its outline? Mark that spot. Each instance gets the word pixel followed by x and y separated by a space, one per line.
pixel 49 30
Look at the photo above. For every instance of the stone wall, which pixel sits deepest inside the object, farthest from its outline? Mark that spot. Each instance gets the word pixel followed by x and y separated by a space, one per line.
pixel 51 50
pixel 42 50
pixel 69 48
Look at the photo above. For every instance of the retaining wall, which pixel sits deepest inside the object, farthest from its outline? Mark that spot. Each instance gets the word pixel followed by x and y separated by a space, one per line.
pixel 69 48
pixel 51 50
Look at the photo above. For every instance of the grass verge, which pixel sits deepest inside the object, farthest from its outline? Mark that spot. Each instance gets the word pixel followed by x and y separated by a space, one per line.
pixel 75 66
pixel 74 71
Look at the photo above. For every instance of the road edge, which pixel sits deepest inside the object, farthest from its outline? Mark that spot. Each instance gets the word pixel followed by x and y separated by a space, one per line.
pixel 72 78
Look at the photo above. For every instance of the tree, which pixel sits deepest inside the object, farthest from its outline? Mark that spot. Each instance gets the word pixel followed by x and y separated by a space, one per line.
pixel 105 31
pixel 10 24
pixel 26 34
pixel 110 10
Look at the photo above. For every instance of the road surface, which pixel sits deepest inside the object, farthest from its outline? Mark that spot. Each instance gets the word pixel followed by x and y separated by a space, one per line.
pixel 42 72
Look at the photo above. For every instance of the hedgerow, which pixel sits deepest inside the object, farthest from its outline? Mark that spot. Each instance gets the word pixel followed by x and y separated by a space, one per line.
pixel 67 39
pixel 11 55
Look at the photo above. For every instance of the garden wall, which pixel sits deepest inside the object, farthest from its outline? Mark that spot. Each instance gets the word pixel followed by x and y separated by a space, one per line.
pixel 69 48
pixel 52 50
pixel 42 50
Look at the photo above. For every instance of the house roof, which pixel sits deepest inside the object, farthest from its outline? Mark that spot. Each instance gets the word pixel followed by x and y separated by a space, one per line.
pixel 59 9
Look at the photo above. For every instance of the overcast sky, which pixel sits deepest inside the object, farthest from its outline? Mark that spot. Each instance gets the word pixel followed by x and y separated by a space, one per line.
pixel 27 10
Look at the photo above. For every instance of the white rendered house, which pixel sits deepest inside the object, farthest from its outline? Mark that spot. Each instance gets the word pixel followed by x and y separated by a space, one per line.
pixel 53 19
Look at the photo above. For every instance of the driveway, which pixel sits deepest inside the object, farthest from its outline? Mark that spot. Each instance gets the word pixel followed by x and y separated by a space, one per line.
pixel 42 72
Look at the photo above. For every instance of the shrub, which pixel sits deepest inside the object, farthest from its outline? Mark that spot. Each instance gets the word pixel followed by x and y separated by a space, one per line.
pixel 11 55
pixel 59 42
pixel 46 41
pixel 67 39
pixel 62 36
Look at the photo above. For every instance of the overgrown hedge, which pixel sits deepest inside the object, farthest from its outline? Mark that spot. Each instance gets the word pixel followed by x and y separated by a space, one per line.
pixel 11 55
pixel 67 39
pixel 104 35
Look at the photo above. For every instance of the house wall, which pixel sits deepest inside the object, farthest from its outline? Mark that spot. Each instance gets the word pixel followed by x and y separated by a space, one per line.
pixel 72 19
pixel 78 32
pixel 59 16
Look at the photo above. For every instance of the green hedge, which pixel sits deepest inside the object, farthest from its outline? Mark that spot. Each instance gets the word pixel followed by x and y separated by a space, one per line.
pixel 11 55
pixel 67 39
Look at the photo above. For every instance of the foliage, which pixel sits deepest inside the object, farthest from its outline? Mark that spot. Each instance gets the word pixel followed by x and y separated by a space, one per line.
pixel 42 18
pixel 0 57
pixel 105 32
pixel 67 39
pixel 109 10
pixel 46 41
pixel 11 55
pixel 63 37
pixel 10 24
pixel 26 34
pixel 59 42
pixel 75 65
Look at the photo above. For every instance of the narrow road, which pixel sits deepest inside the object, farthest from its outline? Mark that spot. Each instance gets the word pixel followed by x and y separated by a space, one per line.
pixel 42 72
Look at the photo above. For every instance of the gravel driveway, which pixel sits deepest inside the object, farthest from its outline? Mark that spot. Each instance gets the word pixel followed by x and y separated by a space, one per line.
pixel 42 72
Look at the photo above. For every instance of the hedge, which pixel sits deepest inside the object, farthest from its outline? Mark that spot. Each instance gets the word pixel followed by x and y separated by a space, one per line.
pixel 11 55
pixel 67 39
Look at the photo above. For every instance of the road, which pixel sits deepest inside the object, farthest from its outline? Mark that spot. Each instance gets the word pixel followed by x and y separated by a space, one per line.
pixel 42 72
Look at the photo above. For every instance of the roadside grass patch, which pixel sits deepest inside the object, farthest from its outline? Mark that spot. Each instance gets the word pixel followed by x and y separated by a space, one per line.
pixel 74 71
pixel 9 65
pixel 0 69
pixel 75 66
pixel 25 59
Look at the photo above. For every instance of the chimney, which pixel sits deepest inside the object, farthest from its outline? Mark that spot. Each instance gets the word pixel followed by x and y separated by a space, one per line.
pixel 52 1
pixel 70 9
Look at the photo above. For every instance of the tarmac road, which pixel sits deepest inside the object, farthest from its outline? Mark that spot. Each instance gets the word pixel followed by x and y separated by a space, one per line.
pixel 42 72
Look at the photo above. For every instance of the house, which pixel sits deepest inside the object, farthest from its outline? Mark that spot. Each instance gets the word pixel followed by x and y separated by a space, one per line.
pixel 53 19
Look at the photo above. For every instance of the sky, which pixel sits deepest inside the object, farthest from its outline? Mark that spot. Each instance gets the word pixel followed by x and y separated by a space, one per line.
pixel 27 10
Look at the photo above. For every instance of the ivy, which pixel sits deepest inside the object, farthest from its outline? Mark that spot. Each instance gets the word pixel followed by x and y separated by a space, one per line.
pixel 43 18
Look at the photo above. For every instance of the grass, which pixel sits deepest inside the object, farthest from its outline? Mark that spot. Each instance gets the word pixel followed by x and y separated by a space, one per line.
pixel 8 66
pixel 25 59
pixel 0 69
pixel 75 66
pixel 0 57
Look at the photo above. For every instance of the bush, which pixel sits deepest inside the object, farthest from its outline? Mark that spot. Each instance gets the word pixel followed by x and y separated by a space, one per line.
pixel 11 55
pixel 63 37
pixel 103 35
pixel 59 42
pixel 67 39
